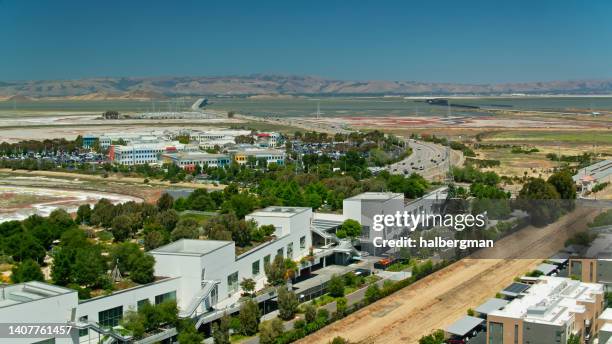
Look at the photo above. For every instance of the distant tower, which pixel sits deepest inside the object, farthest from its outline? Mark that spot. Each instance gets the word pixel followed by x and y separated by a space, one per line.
pixel 318 109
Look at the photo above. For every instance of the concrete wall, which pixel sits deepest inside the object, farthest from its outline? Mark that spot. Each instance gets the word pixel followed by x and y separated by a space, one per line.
pixel 534 333
pixel 508 329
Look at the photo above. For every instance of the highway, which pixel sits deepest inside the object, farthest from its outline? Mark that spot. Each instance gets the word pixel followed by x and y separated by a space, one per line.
pixel 427 159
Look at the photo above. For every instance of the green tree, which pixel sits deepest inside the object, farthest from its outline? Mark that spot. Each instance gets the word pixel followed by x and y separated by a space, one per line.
pixel 121 227
pixel 247 285
pixel 573 339
pixel 134 322
pixel 28 270
pixel 154 239
pixel 287 303
pixel 540 200
pixel 83 214
pixel 24 246
pixel 349 228
pixel 336 286
pixel 339 340
pixel 437 337
pixel 88 266
pixel 276 271
pixel 61 270
pixel 165 202
pixel 310 312
pixel 563 183
pixel 143 269
pixel 269 330
pixel 185 229
pixel 188 333
pixel 249 317
pixel 220 331
pixel 372 293
pixel 168 219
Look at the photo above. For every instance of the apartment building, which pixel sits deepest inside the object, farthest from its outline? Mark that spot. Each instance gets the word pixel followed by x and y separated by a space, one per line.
pixel 595 265
pixel 549 311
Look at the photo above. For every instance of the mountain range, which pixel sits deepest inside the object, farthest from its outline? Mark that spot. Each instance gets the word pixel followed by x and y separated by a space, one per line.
pixel 171 86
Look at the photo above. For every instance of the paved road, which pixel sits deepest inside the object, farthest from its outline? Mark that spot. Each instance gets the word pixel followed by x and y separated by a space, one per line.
pixel 427 159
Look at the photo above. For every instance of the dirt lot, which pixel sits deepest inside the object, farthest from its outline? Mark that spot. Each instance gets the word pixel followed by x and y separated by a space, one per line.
pixel 438 300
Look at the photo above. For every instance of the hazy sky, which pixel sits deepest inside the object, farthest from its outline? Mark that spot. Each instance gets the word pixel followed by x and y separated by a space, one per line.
pixel 455 41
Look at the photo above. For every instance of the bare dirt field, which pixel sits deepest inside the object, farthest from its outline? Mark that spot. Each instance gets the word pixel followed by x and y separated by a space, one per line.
pixel 441 298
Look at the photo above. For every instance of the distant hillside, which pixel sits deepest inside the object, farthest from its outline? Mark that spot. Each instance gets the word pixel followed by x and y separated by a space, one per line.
pixel 159 87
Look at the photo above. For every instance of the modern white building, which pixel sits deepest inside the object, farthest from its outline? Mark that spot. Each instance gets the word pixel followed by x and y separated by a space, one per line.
pixel 365 206
pixel 38 303
pixel 189 160
pixel 212 135
pixel 145 153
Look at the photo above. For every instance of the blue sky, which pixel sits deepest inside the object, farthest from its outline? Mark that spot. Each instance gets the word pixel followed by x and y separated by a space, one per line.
pixel 454 41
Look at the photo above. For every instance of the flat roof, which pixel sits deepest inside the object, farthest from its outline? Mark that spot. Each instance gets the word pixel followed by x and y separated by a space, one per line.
pixel 377 196
pixel 278 211
pixel 29 291
pixel 491 305
pixel 192 247
pixel 553 300
pixel 464 325
pixel 546 269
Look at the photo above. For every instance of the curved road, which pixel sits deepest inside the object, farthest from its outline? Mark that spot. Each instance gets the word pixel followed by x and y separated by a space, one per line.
pixel 427 159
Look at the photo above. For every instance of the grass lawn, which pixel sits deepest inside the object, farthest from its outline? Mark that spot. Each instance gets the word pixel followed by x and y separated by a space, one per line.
pixel 200 218
pixel 396 267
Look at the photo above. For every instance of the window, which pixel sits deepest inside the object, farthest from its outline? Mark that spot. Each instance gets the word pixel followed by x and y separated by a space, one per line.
pixel 267 260
pixel 280 252
pixel 232 283
pixel 496 333
pixel 255 268
pixel 141 303
pixel 165 297
pixel 110 317
pixel 303 242
pixel 516 334
pixel 83 332
pixel 290 250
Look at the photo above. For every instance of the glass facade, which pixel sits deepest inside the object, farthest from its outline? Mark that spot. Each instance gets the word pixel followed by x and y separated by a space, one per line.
pixel 232 282
pixel 266 260
pixel 164 297
pixel 496 333
pixel 255 268
pixel 110 317
pixel 290 250
pixel 141 303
